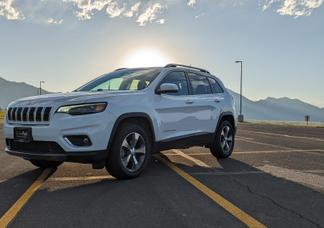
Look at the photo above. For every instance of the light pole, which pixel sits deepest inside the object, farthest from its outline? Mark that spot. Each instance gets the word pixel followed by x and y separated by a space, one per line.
pixel 40 87
pixel 240 116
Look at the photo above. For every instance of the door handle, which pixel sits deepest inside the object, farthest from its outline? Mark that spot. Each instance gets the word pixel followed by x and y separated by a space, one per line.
pixel 189 102
pixel 219 99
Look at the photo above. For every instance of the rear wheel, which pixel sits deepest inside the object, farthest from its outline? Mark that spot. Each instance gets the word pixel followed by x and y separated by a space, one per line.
pixel 130 151
pixel 45 164
pixel 223 144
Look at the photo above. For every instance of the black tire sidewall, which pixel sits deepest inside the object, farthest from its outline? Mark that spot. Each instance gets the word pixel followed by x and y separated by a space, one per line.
pixel 114 164
pixel 216 148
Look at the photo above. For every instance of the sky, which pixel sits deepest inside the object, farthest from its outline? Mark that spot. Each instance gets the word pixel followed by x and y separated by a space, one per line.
pixel 69 42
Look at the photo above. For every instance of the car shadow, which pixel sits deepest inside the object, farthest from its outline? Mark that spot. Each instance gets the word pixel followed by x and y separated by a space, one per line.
pixel 11 189
pixel 275 200
pixel 154 199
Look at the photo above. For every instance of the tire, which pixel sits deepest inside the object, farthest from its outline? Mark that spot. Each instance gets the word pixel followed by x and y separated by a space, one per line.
pixel 126 151
pixel 223 144
pixel 45 164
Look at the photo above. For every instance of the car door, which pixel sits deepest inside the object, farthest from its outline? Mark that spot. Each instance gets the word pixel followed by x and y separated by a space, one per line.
pixel 174 110
pixel 206 104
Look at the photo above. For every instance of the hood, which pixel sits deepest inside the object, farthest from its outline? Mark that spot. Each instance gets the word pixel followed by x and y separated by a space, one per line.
pixel 68 98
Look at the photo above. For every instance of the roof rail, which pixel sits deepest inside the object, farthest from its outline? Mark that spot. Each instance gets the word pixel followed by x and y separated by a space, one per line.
pixel 191 67
pixel 123 68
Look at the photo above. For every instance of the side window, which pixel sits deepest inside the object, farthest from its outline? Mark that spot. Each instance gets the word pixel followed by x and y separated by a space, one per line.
pixel 215 86
pixel 178 78
pixel 112 84
pixel 199 84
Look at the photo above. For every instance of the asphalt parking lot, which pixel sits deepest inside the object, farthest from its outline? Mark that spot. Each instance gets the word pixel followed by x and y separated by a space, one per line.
pixel 274 178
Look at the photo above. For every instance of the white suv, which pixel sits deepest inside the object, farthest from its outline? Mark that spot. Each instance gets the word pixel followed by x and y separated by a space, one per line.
pixel 119 119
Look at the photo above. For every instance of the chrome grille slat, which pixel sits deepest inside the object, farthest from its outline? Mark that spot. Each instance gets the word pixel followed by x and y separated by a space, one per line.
pixel 47 113
pixel 31 114
pixel 28 109
pixel 19 114
pixel 42 114
pixel 25 115
pixel 14 114
pixel 39 114
pixel 34 114
pixel 9 113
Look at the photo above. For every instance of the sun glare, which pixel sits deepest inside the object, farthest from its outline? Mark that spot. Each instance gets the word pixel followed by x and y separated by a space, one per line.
pixel 145 58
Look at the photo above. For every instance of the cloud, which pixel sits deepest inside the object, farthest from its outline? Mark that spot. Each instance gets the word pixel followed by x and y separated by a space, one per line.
pixel 144 11
pixel 161 21
pixel 54 21
pixel 8 11
pixel 150 14
pixel 134 9
pixel 191 3
pixel 294 8
pixel 114 10
pixel 86 8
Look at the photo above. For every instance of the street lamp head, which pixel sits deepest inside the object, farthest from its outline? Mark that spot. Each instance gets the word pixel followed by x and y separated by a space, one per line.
pixel 238 61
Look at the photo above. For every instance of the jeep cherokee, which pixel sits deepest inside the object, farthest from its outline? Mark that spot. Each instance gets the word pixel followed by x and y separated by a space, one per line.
pixel 119 119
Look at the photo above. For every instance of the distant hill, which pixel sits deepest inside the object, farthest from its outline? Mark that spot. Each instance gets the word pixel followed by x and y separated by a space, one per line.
pixel 284 109
pixel 10 91
pixel 281 109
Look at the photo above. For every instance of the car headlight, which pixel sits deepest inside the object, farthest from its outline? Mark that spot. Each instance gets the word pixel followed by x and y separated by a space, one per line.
pixel 83 109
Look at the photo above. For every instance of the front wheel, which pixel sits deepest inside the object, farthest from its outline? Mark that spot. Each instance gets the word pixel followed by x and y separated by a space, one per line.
pixel 45 164
pixel 130 151
pixel 223 144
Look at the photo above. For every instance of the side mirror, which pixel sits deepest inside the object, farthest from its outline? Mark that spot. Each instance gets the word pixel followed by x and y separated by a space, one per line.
pixel 167 88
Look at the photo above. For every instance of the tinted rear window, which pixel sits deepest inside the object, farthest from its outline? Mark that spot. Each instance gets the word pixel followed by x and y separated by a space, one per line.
pixel 215 86
pixel 199 84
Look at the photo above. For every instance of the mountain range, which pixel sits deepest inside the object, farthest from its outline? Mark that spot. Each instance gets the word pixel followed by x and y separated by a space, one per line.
pixel 281 109
pixel 278 109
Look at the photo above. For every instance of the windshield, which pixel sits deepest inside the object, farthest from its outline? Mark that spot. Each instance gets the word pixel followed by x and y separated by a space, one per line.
pixel 132 79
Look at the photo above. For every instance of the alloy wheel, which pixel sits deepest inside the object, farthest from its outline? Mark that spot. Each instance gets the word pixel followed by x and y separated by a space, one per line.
pixel 133 152
pixel 226 139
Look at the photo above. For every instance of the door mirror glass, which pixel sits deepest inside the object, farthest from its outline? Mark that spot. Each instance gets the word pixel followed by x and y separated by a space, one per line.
pixel 168 88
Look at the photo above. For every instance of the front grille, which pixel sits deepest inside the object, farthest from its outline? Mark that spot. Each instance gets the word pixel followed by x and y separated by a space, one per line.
pixel 29 114
pixel 35 147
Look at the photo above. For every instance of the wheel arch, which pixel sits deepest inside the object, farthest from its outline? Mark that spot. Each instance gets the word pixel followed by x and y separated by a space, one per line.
pixel 229 116
pixel 129 117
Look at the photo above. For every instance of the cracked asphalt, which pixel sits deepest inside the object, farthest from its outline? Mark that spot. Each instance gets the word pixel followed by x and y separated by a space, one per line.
pixel 275 175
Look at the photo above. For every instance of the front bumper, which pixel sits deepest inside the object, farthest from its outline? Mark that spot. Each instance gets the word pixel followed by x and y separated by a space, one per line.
pixel 97 127
pixel 50 143
pixel 51 151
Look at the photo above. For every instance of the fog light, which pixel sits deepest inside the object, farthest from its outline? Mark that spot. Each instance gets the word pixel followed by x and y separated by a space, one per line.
pixel 78 140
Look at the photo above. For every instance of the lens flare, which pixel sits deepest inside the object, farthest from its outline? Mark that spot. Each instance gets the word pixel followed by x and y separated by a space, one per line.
pixel 145 58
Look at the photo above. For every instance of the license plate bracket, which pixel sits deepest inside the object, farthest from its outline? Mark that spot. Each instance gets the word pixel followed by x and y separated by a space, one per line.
pixel 23 134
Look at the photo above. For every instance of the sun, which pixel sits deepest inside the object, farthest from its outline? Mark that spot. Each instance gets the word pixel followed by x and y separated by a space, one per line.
pixel 145 57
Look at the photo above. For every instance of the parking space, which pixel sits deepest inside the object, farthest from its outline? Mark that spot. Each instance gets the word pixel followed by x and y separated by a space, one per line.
pixel 275 177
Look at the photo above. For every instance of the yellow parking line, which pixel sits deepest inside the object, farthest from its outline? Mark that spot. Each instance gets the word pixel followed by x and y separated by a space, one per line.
pixel 224 203
pixel 246 152
pixel 285 135
pixel 86 178
pixel 18 205
pixel 196 161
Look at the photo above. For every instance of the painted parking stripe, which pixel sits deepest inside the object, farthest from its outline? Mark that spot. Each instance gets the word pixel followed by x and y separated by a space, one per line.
pixel 196 161
pixel 265 144
pixel 221 201
pixel 241 137
pixel 284 135
pixel 86 178
pixel 220 173
pixel 18 205
pixel 254 152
